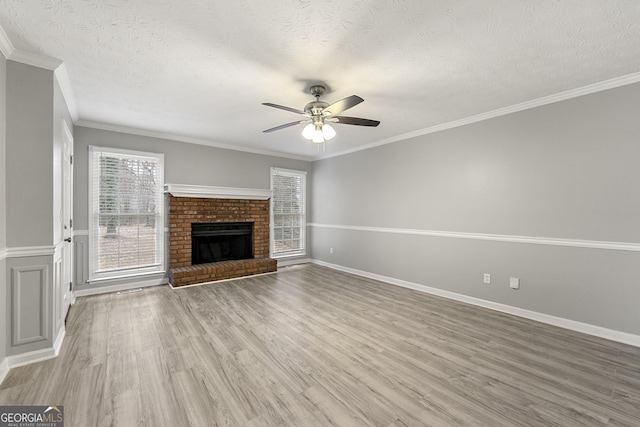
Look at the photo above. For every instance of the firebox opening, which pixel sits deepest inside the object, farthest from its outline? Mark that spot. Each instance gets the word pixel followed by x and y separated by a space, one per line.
pixel 213 242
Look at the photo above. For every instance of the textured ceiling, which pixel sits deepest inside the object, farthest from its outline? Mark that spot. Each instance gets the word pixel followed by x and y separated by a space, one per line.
pixel 201 68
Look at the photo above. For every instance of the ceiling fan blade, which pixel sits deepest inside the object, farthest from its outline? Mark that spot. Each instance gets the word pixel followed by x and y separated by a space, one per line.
pixel 344 104
pixel 285 126
pixel 282 107
pixel 355 121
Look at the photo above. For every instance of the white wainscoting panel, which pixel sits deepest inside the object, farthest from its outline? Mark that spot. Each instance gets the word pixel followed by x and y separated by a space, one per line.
pixel 57 288
pixel 81 260
pixel 29 304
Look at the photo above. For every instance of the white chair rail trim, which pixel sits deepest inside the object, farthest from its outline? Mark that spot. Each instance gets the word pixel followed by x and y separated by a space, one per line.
pixel 551 241
pixel 27 251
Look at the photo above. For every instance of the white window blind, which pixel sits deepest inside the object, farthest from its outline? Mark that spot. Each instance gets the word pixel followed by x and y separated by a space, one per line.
pixel 126 212
pixel 288 220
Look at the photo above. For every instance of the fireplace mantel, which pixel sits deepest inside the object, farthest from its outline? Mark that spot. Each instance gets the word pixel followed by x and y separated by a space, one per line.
pixel 205 191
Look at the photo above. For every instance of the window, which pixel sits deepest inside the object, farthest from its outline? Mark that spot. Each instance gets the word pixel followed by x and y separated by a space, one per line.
pixel 288 220
pixel 126 212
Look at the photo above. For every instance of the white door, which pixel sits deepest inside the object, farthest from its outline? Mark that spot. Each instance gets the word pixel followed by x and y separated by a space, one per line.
pixel 67 226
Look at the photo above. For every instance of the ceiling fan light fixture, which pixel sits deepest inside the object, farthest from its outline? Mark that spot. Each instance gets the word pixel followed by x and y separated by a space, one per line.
pixel 318 135
pixel 308 131
pixel 328 132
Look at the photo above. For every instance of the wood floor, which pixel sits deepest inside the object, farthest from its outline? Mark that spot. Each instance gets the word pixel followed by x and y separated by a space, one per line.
pixel 310 346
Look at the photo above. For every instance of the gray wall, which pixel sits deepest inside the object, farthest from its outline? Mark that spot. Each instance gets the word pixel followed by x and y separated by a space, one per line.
pixel 184 164
pixel 3 144
pixel 567 170
pixel 29 155
pixel 30 272
pixel 3 206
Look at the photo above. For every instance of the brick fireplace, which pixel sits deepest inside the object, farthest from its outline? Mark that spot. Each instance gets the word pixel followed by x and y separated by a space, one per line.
pixel 212 205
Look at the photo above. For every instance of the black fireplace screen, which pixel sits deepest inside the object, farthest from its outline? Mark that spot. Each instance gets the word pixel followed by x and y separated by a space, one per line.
pixel 213 242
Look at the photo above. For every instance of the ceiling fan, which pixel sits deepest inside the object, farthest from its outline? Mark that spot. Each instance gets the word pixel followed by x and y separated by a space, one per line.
pixel 318 114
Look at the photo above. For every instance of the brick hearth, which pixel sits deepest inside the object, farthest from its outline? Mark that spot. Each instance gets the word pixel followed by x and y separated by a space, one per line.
pixel 183 211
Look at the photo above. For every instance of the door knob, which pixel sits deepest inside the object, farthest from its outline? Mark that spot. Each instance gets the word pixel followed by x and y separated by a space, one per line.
pixel 68 239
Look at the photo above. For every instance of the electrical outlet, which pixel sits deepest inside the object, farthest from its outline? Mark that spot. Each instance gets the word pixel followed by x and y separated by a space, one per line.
pixel 487 278
pixel 330 250
pixel 514 283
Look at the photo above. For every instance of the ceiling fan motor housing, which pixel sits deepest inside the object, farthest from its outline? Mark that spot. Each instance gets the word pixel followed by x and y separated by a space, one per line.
pixel 316 108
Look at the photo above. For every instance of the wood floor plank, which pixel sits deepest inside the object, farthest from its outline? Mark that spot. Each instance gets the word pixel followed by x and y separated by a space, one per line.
pixel 203 404
pixel 311 346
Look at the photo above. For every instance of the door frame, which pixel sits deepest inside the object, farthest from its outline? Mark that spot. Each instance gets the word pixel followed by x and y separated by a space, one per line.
pixel 67 219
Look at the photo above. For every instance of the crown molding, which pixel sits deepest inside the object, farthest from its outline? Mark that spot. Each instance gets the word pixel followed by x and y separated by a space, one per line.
pixel 187 139
pixel 67 92
pixel 42 61
pixel 551 99
pixel 34 59
pixel 59 70
pixel 13 54
pixel 6 47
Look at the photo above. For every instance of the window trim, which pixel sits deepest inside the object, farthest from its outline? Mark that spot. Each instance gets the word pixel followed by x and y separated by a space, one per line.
pixel 303 226
pixel 155 269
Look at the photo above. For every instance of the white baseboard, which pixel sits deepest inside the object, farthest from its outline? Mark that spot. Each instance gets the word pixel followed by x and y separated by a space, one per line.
pixel 38 355
pixel 4 369
pixel 115 288
pixel 31 357
pixel 57 344
pixel 586 328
